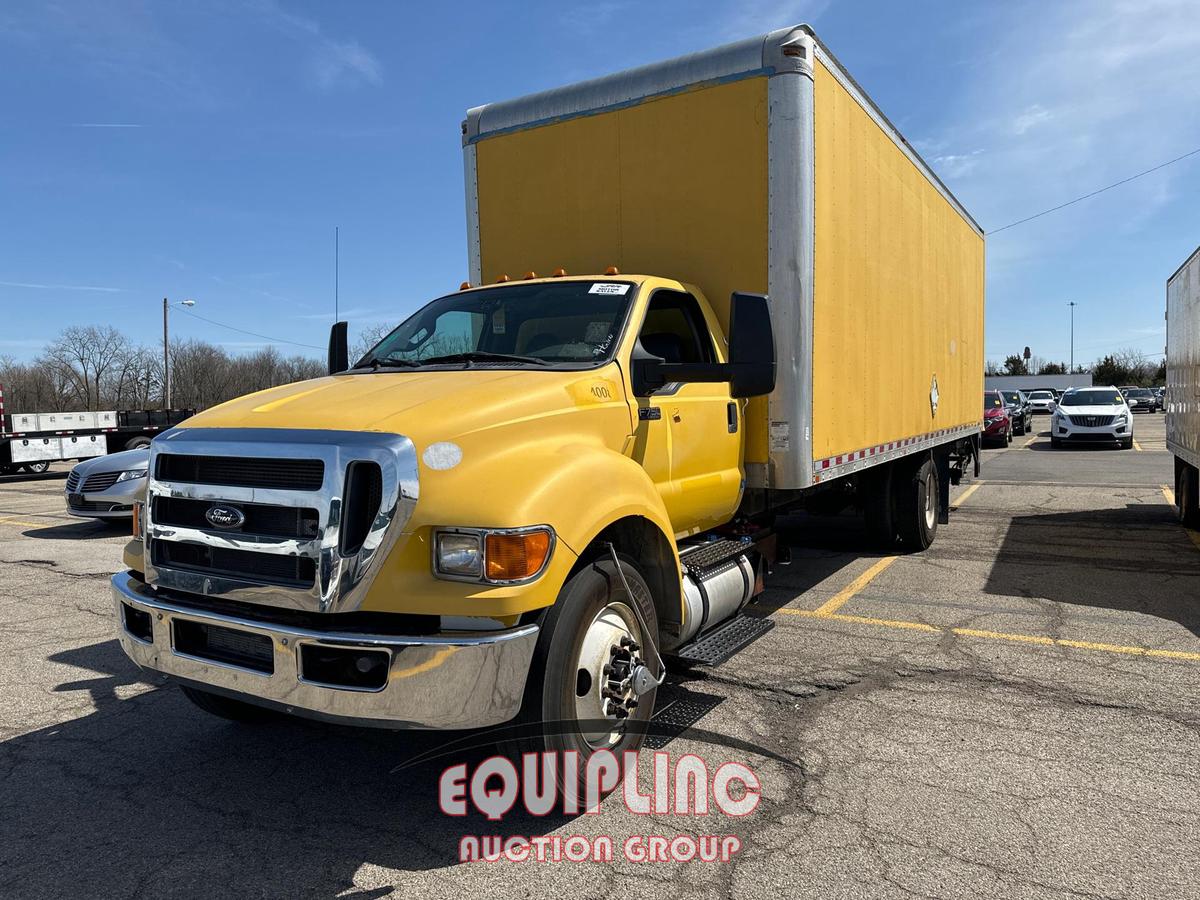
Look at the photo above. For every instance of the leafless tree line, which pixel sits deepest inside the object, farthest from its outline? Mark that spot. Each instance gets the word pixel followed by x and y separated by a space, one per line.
pixel 96 367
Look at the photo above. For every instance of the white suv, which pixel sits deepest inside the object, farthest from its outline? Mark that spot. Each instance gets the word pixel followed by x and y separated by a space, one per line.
pixel 1092 414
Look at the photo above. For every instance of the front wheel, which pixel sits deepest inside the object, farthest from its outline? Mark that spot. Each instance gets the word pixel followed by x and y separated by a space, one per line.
pixel 582 695
pixel 1127 444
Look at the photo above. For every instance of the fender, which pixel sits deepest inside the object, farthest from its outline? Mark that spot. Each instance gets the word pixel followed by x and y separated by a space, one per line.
pixel 579 487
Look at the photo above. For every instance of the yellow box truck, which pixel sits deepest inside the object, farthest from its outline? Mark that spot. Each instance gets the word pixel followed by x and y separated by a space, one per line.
pixel 701 292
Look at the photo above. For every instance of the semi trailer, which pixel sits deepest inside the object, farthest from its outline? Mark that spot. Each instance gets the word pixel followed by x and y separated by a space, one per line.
pixel 1183 386
pixel 702 293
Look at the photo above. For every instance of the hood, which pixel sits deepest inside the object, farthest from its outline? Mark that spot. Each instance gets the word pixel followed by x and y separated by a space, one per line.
pixel 424 405
pixel 1104 409
pixel 123 461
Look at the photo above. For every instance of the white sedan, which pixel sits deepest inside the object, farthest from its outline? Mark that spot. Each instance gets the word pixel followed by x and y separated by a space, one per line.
pixel 1092 414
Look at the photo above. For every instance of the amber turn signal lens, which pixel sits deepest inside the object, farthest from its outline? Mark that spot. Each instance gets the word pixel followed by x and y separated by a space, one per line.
pixel 512 557
pixel 137 519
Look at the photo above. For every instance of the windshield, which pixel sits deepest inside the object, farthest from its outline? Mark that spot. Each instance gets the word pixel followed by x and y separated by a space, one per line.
pixel 1041 395
pixel 568 322
pixel 1102 397
pixel 992 401
pixel 1011 396
pixel 1138 392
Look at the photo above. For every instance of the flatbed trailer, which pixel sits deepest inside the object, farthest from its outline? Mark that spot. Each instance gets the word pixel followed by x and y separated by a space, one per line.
pixel 29 442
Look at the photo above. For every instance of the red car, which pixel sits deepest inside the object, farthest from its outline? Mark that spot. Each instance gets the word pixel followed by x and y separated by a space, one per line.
pixel 997 425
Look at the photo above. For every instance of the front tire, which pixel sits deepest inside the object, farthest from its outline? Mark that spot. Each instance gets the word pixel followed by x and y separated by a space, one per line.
pixel 1127 444
pixel 226 707
pixel 568 705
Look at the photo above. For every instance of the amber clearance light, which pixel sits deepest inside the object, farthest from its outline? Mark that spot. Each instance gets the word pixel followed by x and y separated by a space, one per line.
pixel 514 557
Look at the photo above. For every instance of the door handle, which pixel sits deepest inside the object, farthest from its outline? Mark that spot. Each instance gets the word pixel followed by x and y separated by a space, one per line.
pixel 731 413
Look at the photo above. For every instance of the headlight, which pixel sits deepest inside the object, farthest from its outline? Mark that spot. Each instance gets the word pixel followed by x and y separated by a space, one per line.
pixel 494 556
pixel 131 475
pixel 459 555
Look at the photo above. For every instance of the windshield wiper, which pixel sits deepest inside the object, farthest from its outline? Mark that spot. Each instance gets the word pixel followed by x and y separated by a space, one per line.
pixel 378 363
pixel 483 356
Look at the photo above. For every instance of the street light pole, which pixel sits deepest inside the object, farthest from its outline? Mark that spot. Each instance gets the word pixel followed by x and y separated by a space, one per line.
pixel 166 357
pixel 1071 303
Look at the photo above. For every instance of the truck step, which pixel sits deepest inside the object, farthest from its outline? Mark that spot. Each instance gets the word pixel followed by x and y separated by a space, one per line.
pixel 724 641
pixel 710 555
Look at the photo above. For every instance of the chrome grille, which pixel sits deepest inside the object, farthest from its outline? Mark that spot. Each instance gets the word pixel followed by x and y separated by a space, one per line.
pixel 1091 421
pixel 101 481
pixel 291 489
pixel 72 482
pixel 231 471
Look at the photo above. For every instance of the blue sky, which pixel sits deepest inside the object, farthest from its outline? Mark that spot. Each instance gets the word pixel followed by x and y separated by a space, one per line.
pixel 207 150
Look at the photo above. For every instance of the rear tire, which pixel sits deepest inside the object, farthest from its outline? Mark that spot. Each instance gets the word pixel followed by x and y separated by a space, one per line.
pixel 1187 497
pixel 36 468
pixel 917 506
pixel 137 443
pixel 566 679
pixel 876 486
pixel 226 707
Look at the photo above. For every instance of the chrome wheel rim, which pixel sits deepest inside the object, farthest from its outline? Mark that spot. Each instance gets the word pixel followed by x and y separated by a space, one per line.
pixel 930 502
pixel 607 639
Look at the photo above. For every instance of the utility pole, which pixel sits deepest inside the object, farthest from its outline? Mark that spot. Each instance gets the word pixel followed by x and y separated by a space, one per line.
pixel 1072 304
pixel 166 356
pixel 166 362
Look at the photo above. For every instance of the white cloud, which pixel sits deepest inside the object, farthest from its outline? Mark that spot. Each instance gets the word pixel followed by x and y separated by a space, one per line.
pixel 1084 94
pixel 60 287
pixel 1032 116
pixel 331 62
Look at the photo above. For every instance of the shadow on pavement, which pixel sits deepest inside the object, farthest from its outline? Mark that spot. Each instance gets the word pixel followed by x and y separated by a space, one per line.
pixel 148 795
pixel 29 478
pixel 80 530
pixel 1134 558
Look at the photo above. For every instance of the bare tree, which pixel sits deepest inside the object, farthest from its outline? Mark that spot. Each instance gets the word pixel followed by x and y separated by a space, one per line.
pixel 83 356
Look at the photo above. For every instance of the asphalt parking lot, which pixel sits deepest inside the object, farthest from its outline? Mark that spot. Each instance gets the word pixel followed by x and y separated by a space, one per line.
pixel 1012 713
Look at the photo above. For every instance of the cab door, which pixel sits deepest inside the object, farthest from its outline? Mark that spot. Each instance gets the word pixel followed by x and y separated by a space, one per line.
pixel 690 434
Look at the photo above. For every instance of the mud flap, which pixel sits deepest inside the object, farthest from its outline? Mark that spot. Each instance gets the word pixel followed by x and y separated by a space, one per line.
pixel 942 462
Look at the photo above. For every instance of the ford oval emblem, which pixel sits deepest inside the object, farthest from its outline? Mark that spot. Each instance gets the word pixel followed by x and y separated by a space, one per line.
pixel 225 516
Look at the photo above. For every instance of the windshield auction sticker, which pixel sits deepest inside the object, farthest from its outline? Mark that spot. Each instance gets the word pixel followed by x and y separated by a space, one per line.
pixel 705 799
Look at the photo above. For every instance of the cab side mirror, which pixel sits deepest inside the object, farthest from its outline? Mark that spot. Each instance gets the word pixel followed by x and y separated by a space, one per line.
pixel 751 367
pixel 339 349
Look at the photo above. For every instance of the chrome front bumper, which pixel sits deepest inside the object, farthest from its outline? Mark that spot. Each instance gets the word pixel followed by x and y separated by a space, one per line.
pixel 441 681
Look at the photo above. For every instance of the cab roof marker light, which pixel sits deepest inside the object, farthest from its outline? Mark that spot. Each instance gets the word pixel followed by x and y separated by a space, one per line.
pixel 612 270
pixel 502 279
pixel 464 286
pixel 558 273
pixel 530 274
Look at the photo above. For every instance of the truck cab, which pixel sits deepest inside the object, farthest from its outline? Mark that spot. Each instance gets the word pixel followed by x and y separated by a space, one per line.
pixel 495 496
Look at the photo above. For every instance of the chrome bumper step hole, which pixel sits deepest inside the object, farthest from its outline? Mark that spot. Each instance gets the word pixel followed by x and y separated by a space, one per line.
pixel 344 667
pixel 224 645
pixel 138 623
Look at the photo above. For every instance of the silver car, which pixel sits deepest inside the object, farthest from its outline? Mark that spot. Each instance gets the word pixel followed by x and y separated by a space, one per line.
pixel 105 487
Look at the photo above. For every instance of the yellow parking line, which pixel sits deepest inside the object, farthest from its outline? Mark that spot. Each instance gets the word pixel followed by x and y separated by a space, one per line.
pixel 1030 441
pixel 1169 494
pixel 13 520
pixel 1002 636
pixel 962 498
pixel 1137 446
pixel 846 594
